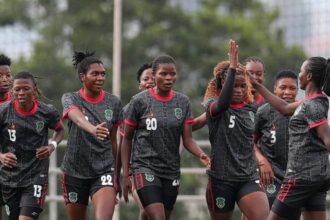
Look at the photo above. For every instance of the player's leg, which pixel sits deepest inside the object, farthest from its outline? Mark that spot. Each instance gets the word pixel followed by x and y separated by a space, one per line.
pixel 103 196
pixel 253 201
pixel 142 213
pixel 150 191
pixel 220 197
pixel 76 195
pixel 170 193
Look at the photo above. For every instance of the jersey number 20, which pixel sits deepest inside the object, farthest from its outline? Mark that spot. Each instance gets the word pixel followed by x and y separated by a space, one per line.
pixel 151 124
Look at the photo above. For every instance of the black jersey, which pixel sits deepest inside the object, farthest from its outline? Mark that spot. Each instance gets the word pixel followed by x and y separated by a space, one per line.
pixel 86 156
pixel 159 123
pixel 22 133
pixel 231 137
pixel 272 132
pixel 308 157
pixel 260 101
pixel 7 99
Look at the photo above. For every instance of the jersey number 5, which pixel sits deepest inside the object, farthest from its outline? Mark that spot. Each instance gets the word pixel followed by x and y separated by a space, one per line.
pixel 151 124
pixel 232 121
pixel 12 135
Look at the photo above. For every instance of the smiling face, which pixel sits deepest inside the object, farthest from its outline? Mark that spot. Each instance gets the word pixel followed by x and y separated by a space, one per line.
pixel 23 90
pixel 94 79
pixel 240 90
pixel 147 80
pixel 165 77
pixel 287 89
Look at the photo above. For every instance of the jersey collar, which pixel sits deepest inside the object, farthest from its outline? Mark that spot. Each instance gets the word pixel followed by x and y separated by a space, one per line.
pixel 161 98
pixel 259 100
pixel 313 96
pixel 7 99
pixel 22 113
pixel 238 105
pixel 91 100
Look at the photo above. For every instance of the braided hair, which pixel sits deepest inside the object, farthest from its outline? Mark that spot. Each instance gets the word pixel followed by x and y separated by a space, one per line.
pixel 319 67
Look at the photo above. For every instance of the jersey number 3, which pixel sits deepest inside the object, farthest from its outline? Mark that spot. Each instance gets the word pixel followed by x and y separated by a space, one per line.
pixel 231 121
pixel 151 124
pixel 12 135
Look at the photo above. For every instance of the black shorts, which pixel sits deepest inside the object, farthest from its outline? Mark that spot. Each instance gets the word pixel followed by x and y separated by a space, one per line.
pixel 221 195
pixel 28 201
pixel 154 189
pixel 272 191
pixel 76 190
pixel 2 203
pixel 298 195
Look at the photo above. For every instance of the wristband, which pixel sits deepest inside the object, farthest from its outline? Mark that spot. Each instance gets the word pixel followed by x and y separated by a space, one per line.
pixel 54 143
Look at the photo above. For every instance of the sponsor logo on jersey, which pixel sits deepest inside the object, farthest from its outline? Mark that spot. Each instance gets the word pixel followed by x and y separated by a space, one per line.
pixel 108 113
pixel 149 177
pixel 251 116
pixel 178 113
pixel 40 125
pixel 176 182
pixel 7 210
pixel 271 189
pixel 73 197
pixel 220 202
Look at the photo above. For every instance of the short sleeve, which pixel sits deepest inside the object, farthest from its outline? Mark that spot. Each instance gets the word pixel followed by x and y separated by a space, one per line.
pixel 316 113
pixel 131 113
pixel 54 119
pixel 118 119
pixel 188 116
pixel 68 103
pixel 208 107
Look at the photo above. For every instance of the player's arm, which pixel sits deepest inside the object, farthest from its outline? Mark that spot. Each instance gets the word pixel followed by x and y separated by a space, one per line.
pixel 279 104
pixel 199 122
pixel 265 169
pixel 100 131
pixel 44 152
pixel 192 147
pixel 323 131
pixel 126 149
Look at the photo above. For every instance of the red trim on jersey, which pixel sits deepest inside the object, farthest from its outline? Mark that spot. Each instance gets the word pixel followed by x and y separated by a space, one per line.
pixel 58 126
pixel 324 121
pixel 66 114
pixel 313 96
pixel 118 124
pixel 91 100
pixel 189 121
pixel 161 98
pixel 7 99
pixel 211 108
pixel 22 113
pixel 130 123
pixel 121 133
pixel 259 100
pixel 236 106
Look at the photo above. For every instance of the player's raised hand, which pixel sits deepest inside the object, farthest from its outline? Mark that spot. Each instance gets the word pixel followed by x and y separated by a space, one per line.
pixel 233 54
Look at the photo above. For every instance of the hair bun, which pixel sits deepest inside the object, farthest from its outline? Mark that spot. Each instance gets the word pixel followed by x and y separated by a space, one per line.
pixel 80 56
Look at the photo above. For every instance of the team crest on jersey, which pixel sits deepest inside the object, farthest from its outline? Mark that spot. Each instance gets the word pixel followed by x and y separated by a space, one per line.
pixel 40 125
pixel 73 197
pixel 251 114
pixel 178 113
pixel 7 210
pixel 149 177
pixel 271 189
pixel 108 113
pixel 220 202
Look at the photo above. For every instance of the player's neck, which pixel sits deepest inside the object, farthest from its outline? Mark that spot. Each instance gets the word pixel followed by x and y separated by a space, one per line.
pixel 311 89
pixel 27 107
pixel 161 93
pixel 91 94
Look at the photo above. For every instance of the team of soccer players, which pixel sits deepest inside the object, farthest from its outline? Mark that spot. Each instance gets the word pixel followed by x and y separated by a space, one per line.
pixel 263 145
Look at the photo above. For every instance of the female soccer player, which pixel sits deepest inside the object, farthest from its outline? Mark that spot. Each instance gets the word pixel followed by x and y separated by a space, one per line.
pixel 307 176
pixel 272 135
pixel 5 96
pixel 25 151
pixel 157 118
pixel 89 161
pixel 230 118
